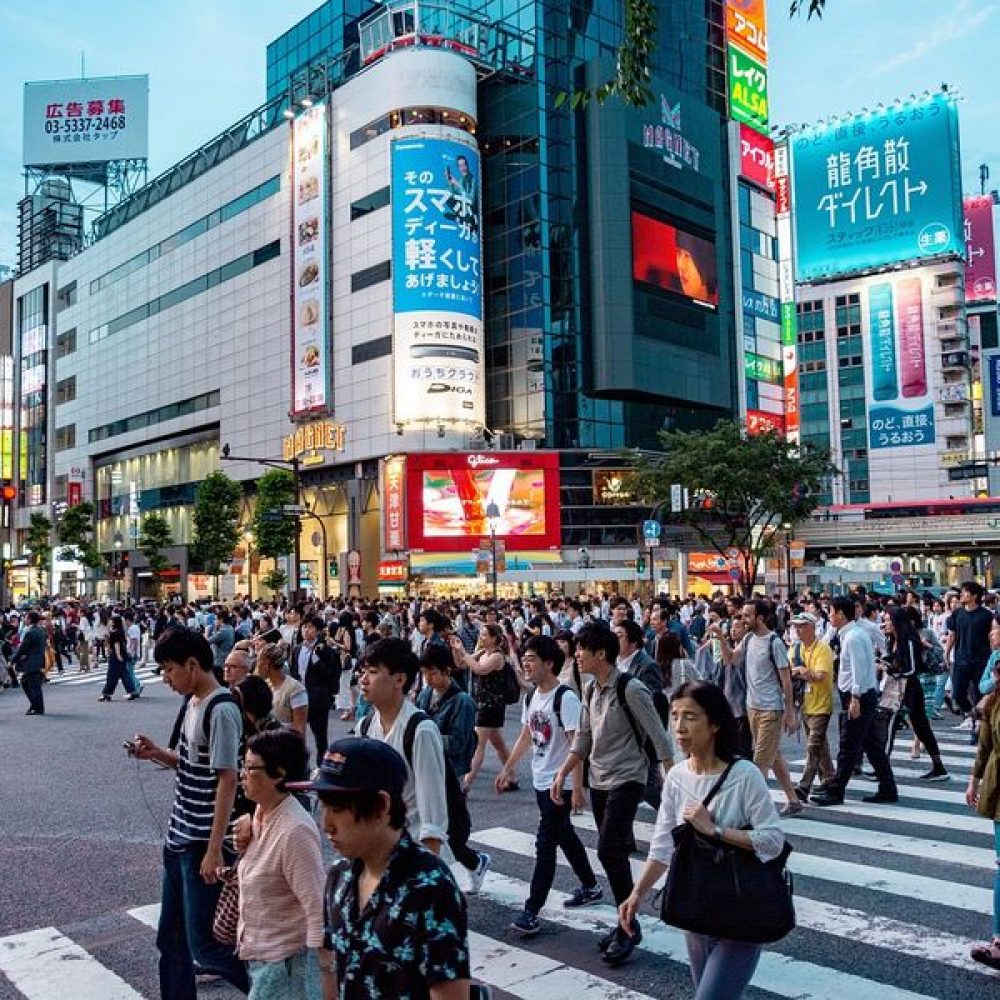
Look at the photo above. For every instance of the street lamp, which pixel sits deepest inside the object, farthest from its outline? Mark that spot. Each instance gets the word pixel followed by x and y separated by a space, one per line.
pixel 493 519
pixel 119 542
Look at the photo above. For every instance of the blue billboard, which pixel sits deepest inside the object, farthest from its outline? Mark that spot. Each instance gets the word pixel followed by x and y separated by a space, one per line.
pixel 436 258
pixel 877 189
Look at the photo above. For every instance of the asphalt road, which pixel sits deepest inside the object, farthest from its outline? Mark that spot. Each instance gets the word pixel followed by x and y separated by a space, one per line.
pixel 888 897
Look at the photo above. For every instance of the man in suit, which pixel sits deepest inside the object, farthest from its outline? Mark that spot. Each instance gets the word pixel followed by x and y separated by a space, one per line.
pixel 30 659
pixel 317 666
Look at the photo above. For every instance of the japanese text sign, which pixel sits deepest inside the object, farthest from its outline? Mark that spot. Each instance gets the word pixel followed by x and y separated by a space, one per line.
pixel 757 158
pixel 980 256
pixel 747 89
pixel 878 189
pixel 746 25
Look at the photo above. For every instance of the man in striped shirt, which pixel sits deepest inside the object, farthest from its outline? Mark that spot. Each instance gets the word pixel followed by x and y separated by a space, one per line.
pixel 206 763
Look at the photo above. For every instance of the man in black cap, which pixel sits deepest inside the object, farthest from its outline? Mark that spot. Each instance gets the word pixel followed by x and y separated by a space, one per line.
pixel 395 919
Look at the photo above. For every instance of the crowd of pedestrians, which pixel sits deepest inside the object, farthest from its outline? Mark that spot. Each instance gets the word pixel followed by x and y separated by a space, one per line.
pixel 619 702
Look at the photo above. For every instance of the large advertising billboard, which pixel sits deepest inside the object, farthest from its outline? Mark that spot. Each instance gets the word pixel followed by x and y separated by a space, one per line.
pixel 448 495
pixel 980 255
pixel 86 121
pixel 310 347
pixel 878 189
pixel 437 282
pixel 673 260
pixel 901 409
pixel 757 157
pixel 748 102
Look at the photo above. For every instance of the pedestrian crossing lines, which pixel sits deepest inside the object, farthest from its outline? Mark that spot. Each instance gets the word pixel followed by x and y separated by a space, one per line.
pixel 97 675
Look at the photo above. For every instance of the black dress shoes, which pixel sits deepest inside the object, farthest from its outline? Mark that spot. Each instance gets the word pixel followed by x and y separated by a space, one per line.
pixel 826 798
pixel 623 945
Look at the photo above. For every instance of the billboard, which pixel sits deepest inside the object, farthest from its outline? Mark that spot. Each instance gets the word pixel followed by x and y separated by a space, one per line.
pixel 877 189
pixel 673 260
pixel 901 409
pixel 393 504
pixel 757 158
pixel 310 347
pixel 437 282
pixel 746 25
pixel 980 256
pixel 86 121
pixel 448 495
pixel 747 89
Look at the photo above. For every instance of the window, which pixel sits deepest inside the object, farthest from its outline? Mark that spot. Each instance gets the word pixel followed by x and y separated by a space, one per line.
pixel 370 203
pixel 373 275
pixel 66 297
pixel 66 390
pixel 371 349
pixel 138 421
pixel 66 437
pixel 65 343
pixel 410 116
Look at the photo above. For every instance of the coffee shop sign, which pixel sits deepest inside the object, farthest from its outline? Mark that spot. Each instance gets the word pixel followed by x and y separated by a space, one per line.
pixel 310 441
pixel 668 136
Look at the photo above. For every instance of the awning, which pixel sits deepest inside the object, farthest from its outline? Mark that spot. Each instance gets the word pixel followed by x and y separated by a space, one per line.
pixel 446 564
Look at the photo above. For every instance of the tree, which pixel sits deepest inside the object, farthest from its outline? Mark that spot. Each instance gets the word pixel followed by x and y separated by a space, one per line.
pixel 75 532
pixel 216 517
pixel 811 6
pixel 275 579
pixel 741 488
pixel 155 536
pixel 38 540
pixel 274 537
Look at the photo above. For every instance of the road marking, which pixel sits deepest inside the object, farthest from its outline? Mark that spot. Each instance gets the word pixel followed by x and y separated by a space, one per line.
pixel 928 792
pixel 536 977
pixel 856 926
pixel 781 974
pixel 44 963
pixel 965 748
pixel 853 836
pixel 148 915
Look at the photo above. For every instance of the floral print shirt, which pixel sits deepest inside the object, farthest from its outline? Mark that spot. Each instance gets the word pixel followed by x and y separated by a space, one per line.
pixel 411 935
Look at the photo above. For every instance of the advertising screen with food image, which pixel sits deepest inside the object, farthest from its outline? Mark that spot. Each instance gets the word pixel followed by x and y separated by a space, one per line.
pixel 673 260
pixel 450 495
pixel 310 382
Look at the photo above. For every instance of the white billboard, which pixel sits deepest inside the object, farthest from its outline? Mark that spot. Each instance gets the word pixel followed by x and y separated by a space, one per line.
pixel 86 121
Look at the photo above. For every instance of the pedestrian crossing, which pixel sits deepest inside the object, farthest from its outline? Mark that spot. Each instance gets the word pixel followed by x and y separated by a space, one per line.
pixel 889 900
pixel 97 675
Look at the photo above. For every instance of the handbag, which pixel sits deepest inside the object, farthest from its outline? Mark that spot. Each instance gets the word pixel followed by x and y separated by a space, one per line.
pixel 227 909
pixel 726 892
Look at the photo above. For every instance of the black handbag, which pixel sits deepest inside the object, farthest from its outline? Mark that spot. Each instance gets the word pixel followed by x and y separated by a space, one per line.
pixel 726 892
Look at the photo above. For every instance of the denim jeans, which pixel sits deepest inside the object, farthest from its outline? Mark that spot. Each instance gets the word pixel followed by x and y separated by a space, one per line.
pixel 184 936
pixel 118 670
pixel 295 978
pixel 555 830
pixel 721 970
pixel 614 812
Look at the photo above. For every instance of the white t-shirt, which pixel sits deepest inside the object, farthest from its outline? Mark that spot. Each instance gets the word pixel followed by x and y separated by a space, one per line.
pixel 134 639
pixel 550 744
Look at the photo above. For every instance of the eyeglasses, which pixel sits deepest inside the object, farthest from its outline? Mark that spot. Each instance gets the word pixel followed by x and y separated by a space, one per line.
pixel 252 767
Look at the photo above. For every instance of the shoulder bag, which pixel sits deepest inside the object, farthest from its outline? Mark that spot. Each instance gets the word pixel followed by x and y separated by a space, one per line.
pixel 227 909
pixel 726 892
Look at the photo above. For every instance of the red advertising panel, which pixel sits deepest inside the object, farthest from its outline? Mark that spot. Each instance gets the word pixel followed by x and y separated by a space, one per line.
pixel 757 157
pixel 746 26
pixel 980 255
pixel 393 500
pixel 74 494
pixel 758 421
pixel 674 260
pixel 449 493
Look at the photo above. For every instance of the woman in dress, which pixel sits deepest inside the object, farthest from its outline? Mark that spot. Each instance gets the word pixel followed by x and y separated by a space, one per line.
pixel 741 815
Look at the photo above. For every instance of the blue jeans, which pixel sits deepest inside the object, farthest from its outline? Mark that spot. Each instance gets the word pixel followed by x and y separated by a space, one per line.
pixel 295 978
pixel 118 670
pixel 184 936
pixel 721 970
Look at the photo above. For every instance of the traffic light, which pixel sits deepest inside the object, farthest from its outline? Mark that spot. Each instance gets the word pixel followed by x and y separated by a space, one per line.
pixel 640 564
pixel 8 493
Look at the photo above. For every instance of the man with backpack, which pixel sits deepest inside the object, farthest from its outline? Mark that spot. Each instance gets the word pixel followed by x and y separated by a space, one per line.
pixel 206 762
pixel 549 722
pixel 435 807
pixel 617 718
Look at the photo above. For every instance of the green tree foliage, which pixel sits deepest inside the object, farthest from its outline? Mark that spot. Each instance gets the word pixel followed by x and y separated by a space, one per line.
pixel 275 579
pixel 274 538
pixel 154 537
pixel 75 531
pixel 38 539
pixel 216 519
pixel 740 487
pixel 810 7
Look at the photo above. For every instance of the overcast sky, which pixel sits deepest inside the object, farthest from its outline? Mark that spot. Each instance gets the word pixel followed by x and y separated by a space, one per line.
pixel 206 62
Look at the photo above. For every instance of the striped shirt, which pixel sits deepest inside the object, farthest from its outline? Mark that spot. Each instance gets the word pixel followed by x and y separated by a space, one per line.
pixel 198 766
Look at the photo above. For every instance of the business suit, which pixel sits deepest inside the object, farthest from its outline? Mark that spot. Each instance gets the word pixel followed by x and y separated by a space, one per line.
pixel 322 680
pixel 30 658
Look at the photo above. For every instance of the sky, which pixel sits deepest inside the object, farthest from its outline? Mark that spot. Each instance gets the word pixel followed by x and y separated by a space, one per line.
pixel 206 63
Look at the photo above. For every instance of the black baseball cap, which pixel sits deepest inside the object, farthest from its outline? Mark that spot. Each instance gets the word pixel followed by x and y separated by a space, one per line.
pixel 357 764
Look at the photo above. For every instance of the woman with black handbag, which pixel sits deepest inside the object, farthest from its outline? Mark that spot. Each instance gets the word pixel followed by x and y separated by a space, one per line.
pixel 718 832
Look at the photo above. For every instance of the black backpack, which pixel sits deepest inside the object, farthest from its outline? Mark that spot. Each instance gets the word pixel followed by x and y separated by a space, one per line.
pixel 459 820
pixel 621 685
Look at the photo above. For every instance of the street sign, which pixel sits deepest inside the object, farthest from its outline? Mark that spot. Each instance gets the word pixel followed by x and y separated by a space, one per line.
pixel 898 579
pixel 651 529
pixel 293 508
pixel 676 498
pixel 895 565
pixel 272 516
pixel 734 573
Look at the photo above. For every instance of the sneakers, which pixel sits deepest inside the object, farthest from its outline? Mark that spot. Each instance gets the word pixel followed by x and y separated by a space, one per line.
pixel 936 774
pixel 620 950
pixel 477 877
pixel 966 723
pixel 582 896
pixel 608 939
pixel 526 924
pixel 881 797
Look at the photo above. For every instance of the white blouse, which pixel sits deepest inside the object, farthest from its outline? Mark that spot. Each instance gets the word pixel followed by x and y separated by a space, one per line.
pixel 743 801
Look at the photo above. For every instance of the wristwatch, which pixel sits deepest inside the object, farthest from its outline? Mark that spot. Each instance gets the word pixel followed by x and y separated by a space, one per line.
pixel 718 832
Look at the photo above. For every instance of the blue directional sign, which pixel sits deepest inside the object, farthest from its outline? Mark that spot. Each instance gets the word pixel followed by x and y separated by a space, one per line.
pixel 651 529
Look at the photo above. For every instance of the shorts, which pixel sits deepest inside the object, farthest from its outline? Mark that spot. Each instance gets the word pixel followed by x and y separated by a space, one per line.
pixel 765 727
pixel 295 978
pixel 491 715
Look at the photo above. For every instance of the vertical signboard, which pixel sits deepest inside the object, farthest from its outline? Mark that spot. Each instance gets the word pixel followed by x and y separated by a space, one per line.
pixel 991 411
pixel 310 347
pixel 786 292
pixel 879 189
pixel 437 282
pixel 748 89
pixel 746 25
pixel 394 504
pixel 980 257
pixel 898 366
pixel 757 158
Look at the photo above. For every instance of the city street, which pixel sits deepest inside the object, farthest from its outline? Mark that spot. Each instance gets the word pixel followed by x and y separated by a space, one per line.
pixel 889 898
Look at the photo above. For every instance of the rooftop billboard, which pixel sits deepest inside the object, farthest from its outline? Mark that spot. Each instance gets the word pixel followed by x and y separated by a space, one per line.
pixel 980 256
pixel 877 189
